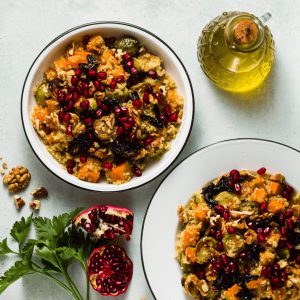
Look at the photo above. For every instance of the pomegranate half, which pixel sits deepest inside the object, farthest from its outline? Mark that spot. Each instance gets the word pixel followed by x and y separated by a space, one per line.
pixel 105 221
pixel 110 270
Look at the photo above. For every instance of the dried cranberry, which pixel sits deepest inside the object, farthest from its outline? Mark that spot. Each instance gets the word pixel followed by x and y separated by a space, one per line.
pixel 261 171
pixel 83 159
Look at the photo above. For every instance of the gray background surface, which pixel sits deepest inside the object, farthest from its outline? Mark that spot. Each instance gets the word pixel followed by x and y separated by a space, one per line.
pixel 272 112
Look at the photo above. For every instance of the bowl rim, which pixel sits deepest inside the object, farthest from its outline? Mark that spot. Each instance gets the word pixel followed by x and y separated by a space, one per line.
pixel 122 24
pixel 181 162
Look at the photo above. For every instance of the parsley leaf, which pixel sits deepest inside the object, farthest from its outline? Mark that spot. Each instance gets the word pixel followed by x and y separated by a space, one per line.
pixel 50 230
pixel 4 249
pixel 20 230
pixel 18 270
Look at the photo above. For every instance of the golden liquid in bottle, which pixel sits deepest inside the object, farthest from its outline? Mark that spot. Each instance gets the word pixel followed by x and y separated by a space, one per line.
pixel 231 69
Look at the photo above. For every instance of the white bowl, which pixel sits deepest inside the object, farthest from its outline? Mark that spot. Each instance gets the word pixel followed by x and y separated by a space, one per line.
pixel 161 221
pixel 56 48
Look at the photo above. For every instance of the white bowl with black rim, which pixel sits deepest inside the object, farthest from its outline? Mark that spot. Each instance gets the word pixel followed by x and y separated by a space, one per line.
pixel 56 48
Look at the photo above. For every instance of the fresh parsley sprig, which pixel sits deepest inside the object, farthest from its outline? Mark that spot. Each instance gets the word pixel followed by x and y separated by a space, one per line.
pixel 57 245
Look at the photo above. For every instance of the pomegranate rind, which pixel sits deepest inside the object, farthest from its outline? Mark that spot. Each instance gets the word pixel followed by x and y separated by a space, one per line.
pixel 93 276
pixel 100 231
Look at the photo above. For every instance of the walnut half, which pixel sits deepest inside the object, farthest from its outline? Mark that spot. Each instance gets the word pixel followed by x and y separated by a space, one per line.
pixel 39 192
pixel 19 201
pixel 17 179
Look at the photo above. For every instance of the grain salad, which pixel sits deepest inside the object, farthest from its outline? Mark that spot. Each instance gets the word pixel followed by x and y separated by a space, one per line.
pixel 106 109
pixel 239 238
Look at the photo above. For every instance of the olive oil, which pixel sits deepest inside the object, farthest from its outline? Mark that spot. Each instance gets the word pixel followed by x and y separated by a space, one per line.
pixel 236 51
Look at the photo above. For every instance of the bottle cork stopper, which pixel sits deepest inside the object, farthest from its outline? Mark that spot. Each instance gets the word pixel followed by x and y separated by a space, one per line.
pixel 245 32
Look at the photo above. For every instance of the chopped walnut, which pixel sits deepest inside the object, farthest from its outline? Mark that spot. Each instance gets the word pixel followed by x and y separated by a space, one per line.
pixel 17 179
pixel 35 204
pixel 19 201
pixel 39 192
pixel 4 166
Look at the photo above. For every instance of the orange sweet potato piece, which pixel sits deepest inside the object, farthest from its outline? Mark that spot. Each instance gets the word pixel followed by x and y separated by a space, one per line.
pixel 259 195
pixel 275 188
pixel 254 284
pixel 119 173
pixel 201 214
pixel 231 293
pixel 72 61
pixel 90 171
pixel 190 235
pixel 40 113
pixel 190 253
pixel 277 205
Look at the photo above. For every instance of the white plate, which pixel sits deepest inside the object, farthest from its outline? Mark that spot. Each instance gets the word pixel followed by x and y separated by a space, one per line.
pixel 160 224
pixel 56 48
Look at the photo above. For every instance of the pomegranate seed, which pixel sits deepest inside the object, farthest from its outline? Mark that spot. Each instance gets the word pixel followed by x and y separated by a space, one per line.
pixel 60 96
pixel 129 63
pixel 88 121
pixel 212 232
pixel 283 231
pixel 232 266
pixel 76 96
pixel 126 56
pixel 251 225
pixel 259 230
pixel 219 246
pixel 74 80
pixel 263 206
pixel 66 117
pixel 105 107
pixel 227 269
pixel 69 105
pixel 290 224
pixel 173 117
pixel 283 276
pixel 237 188
pixel 84 85
pixel 265 272
pixel 78 72
pixel 69 97
pixel 107 165
pixel 290 246
pixel 234 173
pixel 219 235
pixel 120 79
pixel 163 118
pixel 289 213
pixel 152 74
pixel 231 230
pixel 230 184
pixel 261 171
pixel 130 121
pixel 70 170
pixel 148 141
pixel 101 75
pixel 120 130
pixel 225 258
pixel 69 130
pixel 242 255
pixel 98 113
pixel 97 84
pixel 83 159
pixel 92 73
pixel 124 110
pixel 71 163
pixel 137 103
pixel 146 97
pixel 261 238
pixel 133 70
pixel 281 218
pixel 276 266
pixel 137 172
pixel 85 104
pixel 117 110
pixel 267 230
pixel 126 125
pixel 123 119
pixel 61 115
pixel 113 84
pixel 167 111
pixel 219 209
pixel 226 215
pixel 101 88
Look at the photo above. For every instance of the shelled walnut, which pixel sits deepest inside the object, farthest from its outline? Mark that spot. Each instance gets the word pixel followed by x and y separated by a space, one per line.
pixel 39 192
pixel 17 179
pixel 19 201
pixel 35 204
